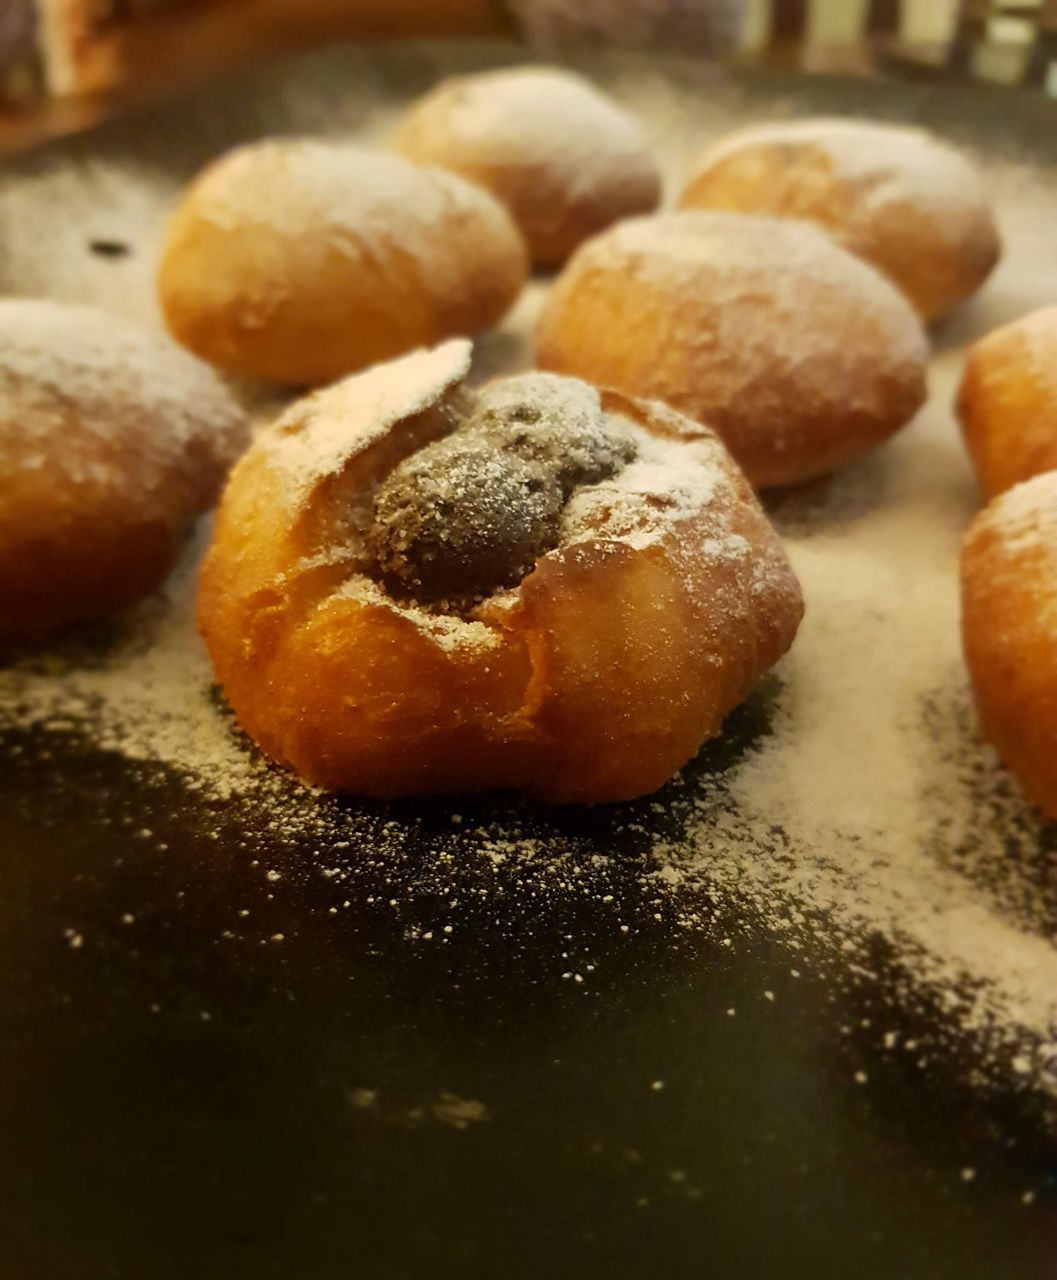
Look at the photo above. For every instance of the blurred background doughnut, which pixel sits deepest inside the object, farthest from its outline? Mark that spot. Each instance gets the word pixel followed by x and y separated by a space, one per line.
pixel 1008 402
pixel 1009 630
pixel 113 442
pixel 900 198
pixel 564 160
pixel 801 356
pixel 298 261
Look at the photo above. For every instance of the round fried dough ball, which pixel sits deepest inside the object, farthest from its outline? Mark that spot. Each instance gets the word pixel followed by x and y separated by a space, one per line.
pixel 299 262
pixel 113 441
pixel 900 198
pixel 1008 402
pixel 1009 630
pixel 802 357
pixel 563 158
pixel 577 641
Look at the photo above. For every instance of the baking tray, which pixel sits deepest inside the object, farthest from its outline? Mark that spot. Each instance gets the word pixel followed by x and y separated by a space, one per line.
pixel 793 1016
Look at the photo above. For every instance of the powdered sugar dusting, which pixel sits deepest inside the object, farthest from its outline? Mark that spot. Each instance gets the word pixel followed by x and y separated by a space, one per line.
pixel 317 436
pixel 667 481
pixel 535 116
pixel 665 484
pixel 55 359
pixel 447 631
pixel 335 195
pixel 1024 517
pixel 148 701
pixel 887 164
pixel 293 184
pixel 748 253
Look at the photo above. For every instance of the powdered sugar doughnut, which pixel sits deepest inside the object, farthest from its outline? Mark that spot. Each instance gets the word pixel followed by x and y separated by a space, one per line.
pixel 1008 402
pixel 1009 629
pixel 414 587
pixel 299 261
pixel 113 441
pixel 900 198
pixel 564 160
pixel 802 357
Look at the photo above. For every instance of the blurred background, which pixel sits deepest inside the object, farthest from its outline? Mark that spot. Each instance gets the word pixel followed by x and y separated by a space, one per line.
pixel 63 62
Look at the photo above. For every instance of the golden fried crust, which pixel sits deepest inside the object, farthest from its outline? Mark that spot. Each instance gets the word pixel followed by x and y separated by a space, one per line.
pixel 563 159
pixel 899 198
pixel 300 262
pixel 800 356
pixel 113 441
pixel 1008 402
pixel 600 675
pixel 71 551
pixel 1009 630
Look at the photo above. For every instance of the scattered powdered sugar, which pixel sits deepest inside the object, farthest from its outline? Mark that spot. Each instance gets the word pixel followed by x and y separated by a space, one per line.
pixel 54 209
pixel 868 810
pixel 148 700
pixel 299 185
pixel 862 776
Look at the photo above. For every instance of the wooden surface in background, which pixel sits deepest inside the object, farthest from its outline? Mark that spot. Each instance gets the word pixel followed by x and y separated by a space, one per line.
pixel 105 71
pixel 214 33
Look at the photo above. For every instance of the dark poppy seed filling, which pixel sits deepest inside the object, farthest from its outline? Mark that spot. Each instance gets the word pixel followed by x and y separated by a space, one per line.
pixel 471 514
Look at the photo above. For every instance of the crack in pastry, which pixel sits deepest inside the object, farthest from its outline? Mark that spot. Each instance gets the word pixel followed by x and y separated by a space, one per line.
pixel 472 513
pixel 414 587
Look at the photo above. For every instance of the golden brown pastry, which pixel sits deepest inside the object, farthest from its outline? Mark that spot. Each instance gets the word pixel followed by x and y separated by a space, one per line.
pixel 900 198
pixel 113 440
pixel 415 587
pixel 802 357
pixel 1009 629
pixel 299 262
pixel 564 159
pixel 1008 402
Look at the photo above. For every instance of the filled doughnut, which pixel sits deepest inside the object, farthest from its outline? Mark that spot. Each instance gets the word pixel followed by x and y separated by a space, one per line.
pixel 1009 630
pixel 113 441
pixel 564 160
pixel 1008 402
pixel 415 587
pixel 299 262
pixel 802 357
pixel 900 198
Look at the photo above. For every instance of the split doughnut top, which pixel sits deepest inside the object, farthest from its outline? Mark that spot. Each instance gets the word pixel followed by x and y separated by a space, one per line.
pixel 417 587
